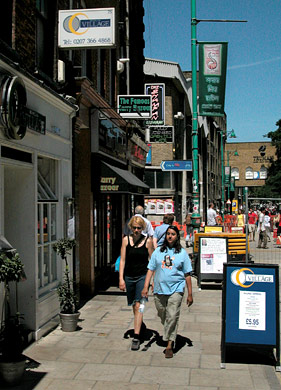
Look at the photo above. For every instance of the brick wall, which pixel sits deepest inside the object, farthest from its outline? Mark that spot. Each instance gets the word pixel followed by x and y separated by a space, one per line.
pixel 250 154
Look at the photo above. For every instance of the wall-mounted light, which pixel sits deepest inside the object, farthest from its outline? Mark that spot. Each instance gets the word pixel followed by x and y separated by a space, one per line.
pixel 120 64
pixel 179 115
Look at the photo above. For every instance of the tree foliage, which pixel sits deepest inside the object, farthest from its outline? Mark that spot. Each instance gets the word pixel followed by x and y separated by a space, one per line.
pixel 272 186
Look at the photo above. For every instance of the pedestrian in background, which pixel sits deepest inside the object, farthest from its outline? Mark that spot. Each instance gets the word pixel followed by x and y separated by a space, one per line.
pixel 241 219
pixel 211 215
pixel 135 253
pixel 252 224
pixel 267 225
pixel 148 230
pixel 262 230
pixel 160 231
pixel 171 267
pixel 189 232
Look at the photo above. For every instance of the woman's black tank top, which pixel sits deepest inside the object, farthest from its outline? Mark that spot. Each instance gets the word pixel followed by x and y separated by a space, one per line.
pixel 136 260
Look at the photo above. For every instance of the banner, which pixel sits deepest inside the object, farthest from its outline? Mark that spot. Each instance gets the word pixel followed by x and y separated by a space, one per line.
pixel 212 74
pixel 227 174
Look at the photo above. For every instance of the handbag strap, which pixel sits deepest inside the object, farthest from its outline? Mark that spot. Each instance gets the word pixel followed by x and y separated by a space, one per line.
pixel 138 241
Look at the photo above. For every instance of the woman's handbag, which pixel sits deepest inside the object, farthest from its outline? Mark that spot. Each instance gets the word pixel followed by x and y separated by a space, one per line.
pixel 117 264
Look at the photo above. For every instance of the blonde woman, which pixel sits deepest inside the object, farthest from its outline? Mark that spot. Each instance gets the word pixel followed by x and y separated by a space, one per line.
pixel 135 253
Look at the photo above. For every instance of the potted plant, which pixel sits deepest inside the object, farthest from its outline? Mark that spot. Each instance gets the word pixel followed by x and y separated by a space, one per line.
pixel 69 313
pixel 12 332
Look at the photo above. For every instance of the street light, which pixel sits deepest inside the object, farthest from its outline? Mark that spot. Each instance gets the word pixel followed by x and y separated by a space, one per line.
pixel 230 153
pixel 195 190
pixel 223 134
pixel 231 134
pixel 180 116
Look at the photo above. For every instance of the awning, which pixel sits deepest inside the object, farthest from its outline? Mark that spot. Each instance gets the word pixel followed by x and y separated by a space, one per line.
pixel 120 181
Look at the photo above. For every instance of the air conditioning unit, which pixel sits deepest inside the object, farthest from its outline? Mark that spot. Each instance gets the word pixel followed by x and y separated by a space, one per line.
pixel 61 71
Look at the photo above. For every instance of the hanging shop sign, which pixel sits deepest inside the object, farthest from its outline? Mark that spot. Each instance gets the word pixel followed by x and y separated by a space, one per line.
pixel 86 28
pixel 137 151
pixel 15 117
pixel 212 75
pixel 134 106
pixel 161 134
pixel 112 139
pixel 157 92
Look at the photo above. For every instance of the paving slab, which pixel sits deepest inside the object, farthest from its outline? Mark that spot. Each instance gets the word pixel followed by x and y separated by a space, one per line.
pixel 106 372
pixel 217 377
pixel 162 375
pixel 98 357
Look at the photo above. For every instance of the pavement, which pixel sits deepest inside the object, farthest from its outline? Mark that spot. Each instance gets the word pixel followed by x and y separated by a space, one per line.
pixel 97 356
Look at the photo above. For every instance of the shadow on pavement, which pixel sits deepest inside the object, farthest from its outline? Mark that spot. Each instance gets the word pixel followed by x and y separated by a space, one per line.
pixel 250 355
pixel 150 336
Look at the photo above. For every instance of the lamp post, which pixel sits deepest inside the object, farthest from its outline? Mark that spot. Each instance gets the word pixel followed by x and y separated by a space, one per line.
pixel 231 135
pixel 232 153
pixel 195 188
pixel 181 116
pixel 195 217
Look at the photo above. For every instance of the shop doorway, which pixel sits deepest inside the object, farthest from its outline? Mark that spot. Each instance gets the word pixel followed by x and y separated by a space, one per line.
pixel 19 216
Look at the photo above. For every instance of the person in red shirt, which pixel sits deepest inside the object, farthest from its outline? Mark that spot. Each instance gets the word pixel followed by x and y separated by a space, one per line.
pixel 252 224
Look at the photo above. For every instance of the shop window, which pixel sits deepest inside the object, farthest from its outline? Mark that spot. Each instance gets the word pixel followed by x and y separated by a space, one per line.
pixel 249 173
pixel 45 27
pixel 158 179
pixel 47 224
pixel 235 173
pixel 263 173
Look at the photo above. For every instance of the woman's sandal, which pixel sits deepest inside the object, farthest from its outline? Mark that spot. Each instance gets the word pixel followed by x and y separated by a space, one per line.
pixel 169 353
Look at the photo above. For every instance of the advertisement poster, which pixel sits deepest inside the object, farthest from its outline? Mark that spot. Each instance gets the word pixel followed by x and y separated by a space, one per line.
pixel 213 254
pixel 168 206
pixel 150 206
pixel 160 206
pixel 252 310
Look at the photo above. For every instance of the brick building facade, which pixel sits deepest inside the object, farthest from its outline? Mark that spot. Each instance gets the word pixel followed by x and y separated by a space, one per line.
pixel 249 162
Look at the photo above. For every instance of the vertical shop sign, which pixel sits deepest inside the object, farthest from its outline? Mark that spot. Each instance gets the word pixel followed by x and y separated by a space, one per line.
pixel 157 92
pixel 212 75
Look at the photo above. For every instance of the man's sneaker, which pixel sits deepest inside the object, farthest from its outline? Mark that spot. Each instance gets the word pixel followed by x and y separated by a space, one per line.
pixel 135 345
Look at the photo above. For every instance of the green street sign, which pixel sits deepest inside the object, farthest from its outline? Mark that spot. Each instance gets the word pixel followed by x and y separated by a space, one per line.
pixel 134 106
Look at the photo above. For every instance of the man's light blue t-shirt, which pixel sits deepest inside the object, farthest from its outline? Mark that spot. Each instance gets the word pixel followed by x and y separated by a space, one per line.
pixel 160 232
pixel 170 269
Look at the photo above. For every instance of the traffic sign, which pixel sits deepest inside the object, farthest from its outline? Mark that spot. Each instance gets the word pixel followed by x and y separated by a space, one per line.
pixel 176 165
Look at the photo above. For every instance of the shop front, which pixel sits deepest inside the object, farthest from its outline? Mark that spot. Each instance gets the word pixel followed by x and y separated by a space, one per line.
pixel 35 182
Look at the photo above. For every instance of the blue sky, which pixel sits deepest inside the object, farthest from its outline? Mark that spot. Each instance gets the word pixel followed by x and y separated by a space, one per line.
pixel 253 81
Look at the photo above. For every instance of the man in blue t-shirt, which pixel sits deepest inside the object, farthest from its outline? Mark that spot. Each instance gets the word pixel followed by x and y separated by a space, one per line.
pixel 160 231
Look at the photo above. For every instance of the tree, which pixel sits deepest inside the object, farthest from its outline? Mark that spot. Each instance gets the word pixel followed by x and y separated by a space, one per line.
pixel 272 186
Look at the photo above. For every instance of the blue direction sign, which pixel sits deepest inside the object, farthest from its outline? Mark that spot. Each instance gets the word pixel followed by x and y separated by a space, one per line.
pixel 176 165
